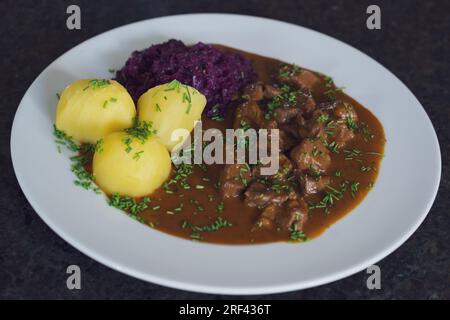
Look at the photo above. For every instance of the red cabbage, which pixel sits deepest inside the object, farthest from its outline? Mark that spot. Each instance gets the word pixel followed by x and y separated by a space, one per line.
pixel 218 75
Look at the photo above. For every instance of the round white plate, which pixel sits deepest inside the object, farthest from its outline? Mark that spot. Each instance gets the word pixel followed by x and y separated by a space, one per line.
pixel 393 210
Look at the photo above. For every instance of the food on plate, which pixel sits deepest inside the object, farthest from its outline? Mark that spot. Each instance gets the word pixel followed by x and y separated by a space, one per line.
pixel 132 162
pixel 89 109
pixel 329 148
pixel 171 107
pixel 217 74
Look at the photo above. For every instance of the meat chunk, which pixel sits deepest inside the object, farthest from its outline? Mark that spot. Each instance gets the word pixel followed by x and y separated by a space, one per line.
pixel 296 101
pixel 312 184
pixel 268 124
pixel 311 155
pixel 338 131
pixel 292 129
pixel 320 116
pixel 316 124
pixel 345 111
pixel 267 217
pixel 249 113
pixel 234 179
pixel 285 167
pixel 285 115
pixel 253 92
pixel 312 128
pixel 286 141
pixel 306 102
pixel 300 78
pixel 260 196
pixel 301 127
pixel 294 215
pixel 326 106
pixel 306 79
pixel 341 134
pixel 317 131
pixel 271 91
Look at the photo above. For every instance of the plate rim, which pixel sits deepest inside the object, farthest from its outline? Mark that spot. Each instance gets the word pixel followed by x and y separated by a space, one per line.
pixel 201 288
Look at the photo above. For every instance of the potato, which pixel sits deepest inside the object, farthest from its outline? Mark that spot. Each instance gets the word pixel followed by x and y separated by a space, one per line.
pixel 170 107
pixel 89 109
pixel 125 165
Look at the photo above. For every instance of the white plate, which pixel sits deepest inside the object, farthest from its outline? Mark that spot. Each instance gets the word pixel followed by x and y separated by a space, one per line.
pixel 393 210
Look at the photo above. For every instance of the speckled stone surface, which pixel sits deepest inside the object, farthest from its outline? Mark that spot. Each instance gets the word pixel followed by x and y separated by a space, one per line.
pixel 413 44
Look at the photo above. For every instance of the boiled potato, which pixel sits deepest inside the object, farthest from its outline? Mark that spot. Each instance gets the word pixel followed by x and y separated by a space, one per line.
pixel 129 166
pixel 89 109
pixel 170 107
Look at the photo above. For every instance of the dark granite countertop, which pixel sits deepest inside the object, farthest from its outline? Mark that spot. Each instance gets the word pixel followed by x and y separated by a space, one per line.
pixel 413 44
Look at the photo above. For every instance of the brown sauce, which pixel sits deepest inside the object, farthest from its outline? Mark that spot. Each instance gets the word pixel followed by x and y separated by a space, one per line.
pixel 202 206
